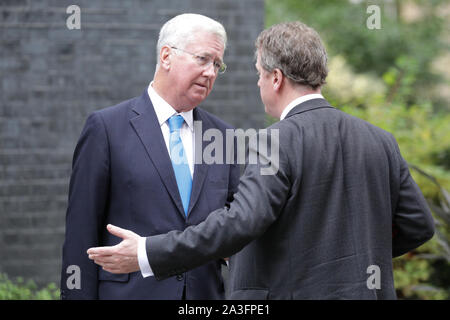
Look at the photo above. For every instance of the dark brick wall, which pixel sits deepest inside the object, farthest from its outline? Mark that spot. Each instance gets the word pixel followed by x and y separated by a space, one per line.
pixel 51 78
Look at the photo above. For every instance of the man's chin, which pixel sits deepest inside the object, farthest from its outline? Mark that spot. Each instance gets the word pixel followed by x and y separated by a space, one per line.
pixel 197 99
pixel 190 106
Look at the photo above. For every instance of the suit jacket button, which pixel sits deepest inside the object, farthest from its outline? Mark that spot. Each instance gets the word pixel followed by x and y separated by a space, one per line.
pixel 179 277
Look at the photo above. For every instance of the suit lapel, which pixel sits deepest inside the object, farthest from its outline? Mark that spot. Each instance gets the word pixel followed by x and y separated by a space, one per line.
pixel 200 168
pixel 309 105
pixel 147 128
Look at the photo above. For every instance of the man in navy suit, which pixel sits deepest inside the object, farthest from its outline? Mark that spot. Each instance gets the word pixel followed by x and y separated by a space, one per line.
pixel 124 171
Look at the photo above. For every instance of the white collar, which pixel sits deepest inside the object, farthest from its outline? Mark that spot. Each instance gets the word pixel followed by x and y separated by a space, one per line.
pixel 164 110
pixel 299 100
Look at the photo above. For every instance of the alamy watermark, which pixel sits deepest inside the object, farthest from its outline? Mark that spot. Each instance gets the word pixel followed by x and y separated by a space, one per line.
pixel 74 20
pixel 374 20
pixel 231 147
pixel 374 280
pixel 74 280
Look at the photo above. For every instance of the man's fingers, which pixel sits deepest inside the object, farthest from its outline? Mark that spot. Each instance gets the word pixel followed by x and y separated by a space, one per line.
pixel 98 259
pixel 118 232
pixel 102 251
pixel 108 263
pixel 111 265
pixel 114 230
pixel 112 270
pixel 121 258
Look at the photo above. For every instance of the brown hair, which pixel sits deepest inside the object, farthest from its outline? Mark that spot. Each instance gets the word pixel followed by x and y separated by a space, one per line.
pixel 296 50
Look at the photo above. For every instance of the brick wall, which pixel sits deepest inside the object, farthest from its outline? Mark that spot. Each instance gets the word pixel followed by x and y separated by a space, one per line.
pixel 51 78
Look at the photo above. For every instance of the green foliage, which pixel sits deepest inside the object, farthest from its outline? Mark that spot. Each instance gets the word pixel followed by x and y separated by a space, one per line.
pixel 21 290
pixel 425 272
pixel 342 25
pixel 410 274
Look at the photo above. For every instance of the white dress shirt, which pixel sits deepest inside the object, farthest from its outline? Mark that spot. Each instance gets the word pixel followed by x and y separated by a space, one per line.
pixel 163 112
pixel 299 100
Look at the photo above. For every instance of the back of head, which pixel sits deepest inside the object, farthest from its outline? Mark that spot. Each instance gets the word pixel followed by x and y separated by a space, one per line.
pixel 181 30
pixel 296 50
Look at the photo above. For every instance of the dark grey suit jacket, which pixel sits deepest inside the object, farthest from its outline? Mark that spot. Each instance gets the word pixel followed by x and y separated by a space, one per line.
pixel 342 201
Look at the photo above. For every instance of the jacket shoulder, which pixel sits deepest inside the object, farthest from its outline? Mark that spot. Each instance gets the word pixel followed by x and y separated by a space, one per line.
pixel 213 119
pixel 115 110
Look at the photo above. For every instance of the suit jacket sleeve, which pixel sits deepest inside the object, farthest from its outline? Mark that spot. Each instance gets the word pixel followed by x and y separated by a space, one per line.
pixel 88 193
pixel 412 222
pixel 233 181
pixel 256 205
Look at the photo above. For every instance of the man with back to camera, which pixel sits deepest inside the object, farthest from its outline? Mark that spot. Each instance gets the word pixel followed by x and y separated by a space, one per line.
pixel 341 202
pixel 134 166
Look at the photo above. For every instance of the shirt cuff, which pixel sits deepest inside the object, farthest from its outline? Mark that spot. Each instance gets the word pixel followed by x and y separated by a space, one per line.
pixel 144 265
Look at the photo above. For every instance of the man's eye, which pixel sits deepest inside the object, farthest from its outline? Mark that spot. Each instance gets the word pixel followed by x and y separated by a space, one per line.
pixel 202 59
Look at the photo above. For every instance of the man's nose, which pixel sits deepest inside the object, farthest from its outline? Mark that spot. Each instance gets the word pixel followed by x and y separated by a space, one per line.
pixel 209 70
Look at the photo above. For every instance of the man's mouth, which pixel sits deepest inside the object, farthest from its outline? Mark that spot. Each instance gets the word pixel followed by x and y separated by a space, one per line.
pixel 201 85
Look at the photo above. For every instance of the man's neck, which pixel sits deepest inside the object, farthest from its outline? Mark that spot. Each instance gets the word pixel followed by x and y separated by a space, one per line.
pixel 294 93
pixel 294 100
pixel 299 92
pixel 160 90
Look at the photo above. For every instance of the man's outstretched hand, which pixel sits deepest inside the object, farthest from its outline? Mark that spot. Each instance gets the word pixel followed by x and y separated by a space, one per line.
pixel 121 258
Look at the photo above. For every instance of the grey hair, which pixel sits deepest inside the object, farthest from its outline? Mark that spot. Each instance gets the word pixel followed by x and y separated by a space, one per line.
pixel 296 50
pixel 180 31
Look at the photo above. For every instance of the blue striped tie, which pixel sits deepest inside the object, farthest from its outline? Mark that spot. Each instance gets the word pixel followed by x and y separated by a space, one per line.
pixel 179 161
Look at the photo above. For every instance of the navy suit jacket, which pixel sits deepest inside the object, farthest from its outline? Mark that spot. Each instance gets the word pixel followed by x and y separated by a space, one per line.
pixel 122 174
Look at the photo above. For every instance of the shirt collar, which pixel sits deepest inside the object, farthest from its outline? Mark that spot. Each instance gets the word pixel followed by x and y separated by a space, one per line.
pixel 164 110
pixel 299 100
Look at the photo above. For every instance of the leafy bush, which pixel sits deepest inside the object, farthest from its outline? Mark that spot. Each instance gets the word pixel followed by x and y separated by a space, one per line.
pixel 342 25
pixel 425 273
pixel 21 290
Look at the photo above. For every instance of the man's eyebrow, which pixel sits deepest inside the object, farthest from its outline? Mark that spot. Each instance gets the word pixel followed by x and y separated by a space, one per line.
pixel 209 55
pixel 205 54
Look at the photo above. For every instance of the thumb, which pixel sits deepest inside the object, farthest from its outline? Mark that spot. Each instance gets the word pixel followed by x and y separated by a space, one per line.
pixel 118 232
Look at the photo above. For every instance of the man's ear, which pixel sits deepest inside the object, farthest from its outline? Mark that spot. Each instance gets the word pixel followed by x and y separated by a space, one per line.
pixel 277 79
pixel 164 57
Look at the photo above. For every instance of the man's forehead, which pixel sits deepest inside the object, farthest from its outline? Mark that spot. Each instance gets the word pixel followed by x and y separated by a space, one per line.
pixel 209 44
pixel 209 54
pixel 257 63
